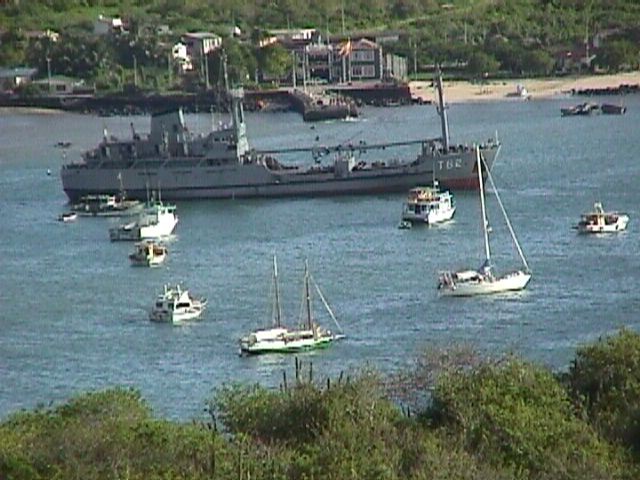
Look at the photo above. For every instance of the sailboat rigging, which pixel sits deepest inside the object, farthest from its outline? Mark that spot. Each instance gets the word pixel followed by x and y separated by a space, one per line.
pixel 483 281
pixel 281 339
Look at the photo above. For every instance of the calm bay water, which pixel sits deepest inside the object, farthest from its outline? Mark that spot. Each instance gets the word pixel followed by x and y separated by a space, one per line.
pixel 74 312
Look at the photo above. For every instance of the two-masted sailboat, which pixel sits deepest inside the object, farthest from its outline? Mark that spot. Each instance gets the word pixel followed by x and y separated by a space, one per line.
pixel 483 280
pixel 281 339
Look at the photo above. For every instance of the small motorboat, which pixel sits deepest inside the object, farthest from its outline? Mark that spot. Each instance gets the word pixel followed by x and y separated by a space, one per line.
pixel 405 225
pixel 613 109
pixel 599 221
pixel 158 220
pixel 148 254
pixel 67 217
pixel 428 205
pixel 104 205
pixel 586 108
pixel 176 305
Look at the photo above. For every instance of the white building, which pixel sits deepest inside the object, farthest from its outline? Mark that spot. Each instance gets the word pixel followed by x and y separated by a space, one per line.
pixel 181 57
pixel 106 25
pixel 201 43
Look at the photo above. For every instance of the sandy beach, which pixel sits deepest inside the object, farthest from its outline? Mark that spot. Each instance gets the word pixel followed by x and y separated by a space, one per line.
pixel 459 91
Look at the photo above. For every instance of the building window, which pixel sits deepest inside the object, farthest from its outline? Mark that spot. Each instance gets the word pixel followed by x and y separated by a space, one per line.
pixel 363 56
pixel 363 71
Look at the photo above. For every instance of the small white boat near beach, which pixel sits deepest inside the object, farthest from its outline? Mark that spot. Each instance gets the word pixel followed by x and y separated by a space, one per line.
pixel 428 205
pixel 68 217
pixel 158 220
pixel 148 254
pixel 600 221
pixel 280 339
pixel 176 305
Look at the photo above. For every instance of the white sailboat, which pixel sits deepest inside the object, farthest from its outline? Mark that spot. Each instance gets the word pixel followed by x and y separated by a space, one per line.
pixel 483 281
pixel 280 339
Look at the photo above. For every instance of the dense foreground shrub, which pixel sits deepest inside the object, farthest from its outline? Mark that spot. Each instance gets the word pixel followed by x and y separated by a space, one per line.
pixel 498 419
pixel 605 379
pixel 517 416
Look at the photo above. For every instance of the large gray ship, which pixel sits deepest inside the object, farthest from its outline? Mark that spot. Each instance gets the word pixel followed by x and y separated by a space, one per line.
pixel 221 164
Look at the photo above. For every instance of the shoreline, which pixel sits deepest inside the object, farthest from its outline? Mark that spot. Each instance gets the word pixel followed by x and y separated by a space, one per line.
pixel 537 88
pixel 30 110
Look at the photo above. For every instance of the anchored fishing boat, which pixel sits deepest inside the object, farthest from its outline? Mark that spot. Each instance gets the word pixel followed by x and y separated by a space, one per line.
pixel 600 221
pixel 158 220
pixel 176 305
pixel 428 205
pixel 148 254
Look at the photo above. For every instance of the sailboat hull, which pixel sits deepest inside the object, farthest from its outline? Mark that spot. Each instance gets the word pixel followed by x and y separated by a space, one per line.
pixel 282 340
pixel 281 346
pixel 485 286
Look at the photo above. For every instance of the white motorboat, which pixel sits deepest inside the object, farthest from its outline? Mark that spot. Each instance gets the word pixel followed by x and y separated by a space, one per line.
pixel 148 254
pixel 157 221
pixel 280 339
pixel 483 281
pixel 599 221
pixel 428 205
pixel 68 217
pixel 175 305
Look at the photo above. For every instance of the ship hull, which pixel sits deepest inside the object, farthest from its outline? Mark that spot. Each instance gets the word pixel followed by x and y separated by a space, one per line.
pixel 455 171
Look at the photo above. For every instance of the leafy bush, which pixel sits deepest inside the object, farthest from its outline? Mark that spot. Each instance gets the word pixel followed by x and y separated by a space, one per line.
pixel 605 380
pixel 516 415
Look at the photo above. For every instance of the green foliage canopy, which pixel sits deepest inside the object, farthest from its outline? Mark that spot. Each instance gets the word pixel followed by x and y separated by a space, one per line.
pixel 605 380
pixel 518 416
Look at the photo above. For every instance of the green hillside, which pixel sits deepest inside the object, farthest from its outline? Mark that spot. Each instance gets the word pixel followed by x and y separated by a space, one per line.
pixel 485 37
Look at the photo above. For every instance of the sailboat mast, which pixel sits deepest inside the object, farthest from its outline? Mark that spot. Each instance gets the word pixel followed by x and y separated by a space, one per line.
pixel 485 223
pixel 277 311
pixel 307 294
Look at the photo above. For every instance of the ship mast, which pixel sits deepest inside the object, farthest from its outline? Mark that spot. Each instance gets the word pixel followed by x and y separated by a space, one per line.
pixel 442 109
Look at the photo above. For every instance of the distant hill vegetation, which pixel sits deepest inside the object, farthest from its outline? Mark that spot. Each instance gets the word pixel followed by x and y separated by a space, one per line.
pixel 481 37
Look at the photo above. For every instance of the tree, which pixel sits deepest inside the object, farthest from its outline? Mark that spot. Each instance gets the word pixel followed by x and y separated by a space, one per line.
pixel 605 380
pixel 618 55
pixel 274 61
pixel 518 416
pixel 13 48
pixel 481 64
pixel 537 62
